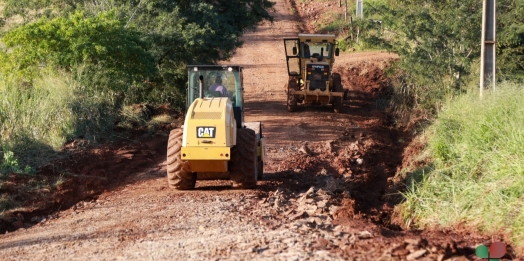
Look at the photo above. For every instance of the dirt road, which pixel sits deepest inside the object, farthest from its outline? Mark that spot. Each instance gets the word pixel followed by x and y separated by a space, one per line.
pixel 324 196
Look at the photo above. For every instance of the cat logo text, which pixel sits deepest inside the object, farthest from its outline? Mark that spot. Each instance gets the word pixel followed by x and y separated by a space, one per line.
pixel 206 132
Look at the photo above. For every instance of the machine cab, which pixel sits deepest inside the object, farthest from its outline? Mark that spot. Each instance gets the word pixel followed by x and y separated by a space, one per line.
pixel 215 81
pixel 309 49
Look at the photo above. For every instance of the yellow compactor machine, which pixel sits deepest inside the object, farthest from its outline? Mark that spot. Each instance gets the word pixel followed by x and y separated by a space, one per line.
pixel 310 59
pixel 215 142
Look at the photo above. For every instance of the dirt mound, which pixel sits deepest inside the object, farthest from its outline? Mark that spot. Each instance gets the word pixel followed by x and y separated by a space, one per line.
pixel 366 77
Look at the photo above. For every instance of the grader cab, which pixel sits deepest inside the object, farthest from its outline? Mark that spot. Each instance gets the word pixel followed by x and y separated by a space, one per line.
pixel 310 59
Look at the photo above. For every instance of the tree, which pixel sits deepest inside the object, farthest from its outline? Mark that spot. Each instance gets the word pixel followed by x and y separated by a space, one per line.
pixel 434 38
pixel 439 41
pixel 178 32
pixel 65 42
pixel 184 32
pixel 510 39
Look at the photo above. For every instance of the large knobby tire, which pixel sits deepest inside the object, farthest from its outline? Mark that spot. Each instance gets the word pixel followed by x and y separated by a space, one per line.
pixel 337 87
pixel 179 175
pixel 291 98
pixel 243 163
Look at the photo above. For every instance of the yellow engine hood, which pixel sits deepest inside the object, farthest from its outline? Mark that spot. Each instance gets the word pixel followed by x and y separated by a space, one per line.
pixel 210 123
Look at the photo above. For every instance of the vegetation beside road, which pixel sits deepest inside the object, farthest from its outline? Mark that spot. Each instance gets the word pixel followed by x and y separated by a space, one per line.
pixel 438 44
pixel 475 174
pixel 72 69
pixel 472 170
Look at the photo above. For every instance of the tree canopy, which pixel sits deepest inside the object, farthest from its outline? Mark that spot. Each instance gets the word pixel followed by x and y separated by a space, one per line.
pixel 68 41
pixel 439 45
pixel 438 41
pixel 171 33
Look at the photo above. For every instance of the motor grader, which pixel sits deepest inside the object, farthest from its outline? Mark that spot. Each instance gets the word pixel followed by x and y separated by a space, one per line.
pixel 310 59
pixel 215 142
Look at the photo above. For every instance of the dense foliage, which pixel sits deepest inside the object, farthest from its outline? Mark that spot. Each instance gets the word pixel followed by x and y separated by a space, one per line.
pixel 70 68
pixel 154 36
pixel 472 171
pixel 439 42
pixel 179 32
pixel 65 42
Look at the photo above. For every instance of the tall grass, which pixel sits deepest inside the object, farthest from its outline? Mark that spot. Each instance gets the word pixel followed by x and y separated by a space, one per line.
pixel 35 112
pixel 477 146
pixel 39 117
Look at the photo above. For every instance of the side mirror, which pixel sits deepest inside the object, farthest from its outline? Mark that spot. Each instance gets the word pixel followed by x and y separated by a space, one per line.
pixel 337 52
pixel 294 50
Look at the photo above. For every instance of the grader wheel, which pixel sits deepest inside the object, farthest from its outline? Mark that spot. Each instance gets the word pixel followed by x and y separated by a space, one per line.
pixel 179 176
pixel 291 98
pixel 337 87
pixel 243 163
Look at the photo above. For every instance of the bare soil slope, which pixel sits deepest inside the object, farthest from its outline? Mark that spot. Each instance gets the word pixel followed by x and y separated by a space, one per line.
pixel 327 193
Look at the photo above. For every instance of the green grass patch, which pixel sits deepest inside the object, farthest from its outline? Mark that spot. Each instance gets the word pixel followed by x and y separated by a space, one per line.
pixel 477 173
pixel 37 118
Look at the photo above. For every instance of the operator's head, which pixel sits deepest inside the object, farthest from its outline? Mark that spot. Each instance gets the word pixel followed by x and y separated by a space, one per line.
pixel 218 79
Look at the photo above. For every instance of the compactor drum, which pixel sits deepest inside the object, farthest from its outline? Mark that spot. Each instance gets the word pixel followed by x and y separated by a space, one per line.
pixel 310 59
pixel 215 142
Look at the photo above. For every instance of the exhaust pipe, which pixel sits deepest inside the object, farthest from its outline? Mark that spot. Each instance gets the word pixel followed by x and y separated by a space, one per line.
pixel 201 78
